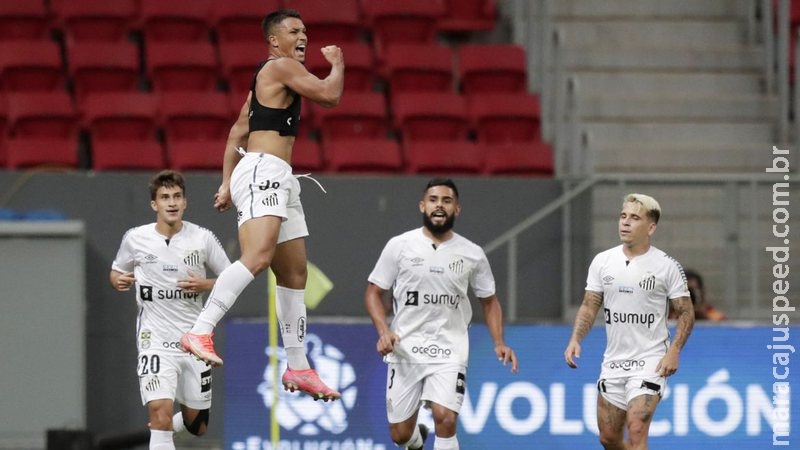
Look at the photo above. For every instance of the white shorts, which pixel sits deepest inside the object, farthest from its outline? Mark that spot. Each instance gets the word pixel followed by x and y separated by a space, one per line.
pixel 263 185
pixel 620 391
pixel 179 377
pixel 408 385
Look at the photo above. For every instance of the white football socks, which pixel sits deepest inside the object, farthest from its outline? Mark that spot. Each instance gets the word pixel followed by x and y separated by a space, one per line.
pixel 291 309
pixel 177 423
pixel 416 439
pixel 161 440
pixel 229 286
pixel 441 443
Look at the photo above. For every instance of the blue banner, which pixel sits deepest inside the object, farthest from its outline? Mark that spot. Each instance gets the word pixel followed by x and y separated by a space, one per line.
pixel 722 395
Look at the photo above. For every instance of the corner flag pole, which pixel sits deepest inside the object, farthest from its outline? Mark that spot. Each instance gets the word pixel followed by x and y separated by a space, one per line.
pixel 275 429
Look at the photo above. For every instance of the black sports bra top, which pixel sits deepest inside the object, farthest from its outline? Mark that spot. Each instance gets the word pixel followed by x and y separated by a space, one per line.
pixel 264 118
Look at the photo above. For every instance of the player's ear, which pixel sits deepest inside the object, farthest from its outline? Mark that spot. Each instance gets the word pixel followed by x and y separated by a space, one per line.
pixel 458 210
pixel 422 206
pixel 153 205
pixel 652 228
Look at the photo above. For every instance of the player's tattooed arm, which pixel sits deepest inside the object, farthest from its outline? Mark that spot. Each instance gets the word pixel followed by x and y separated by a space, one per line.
pixel 584 320
pixel 685 311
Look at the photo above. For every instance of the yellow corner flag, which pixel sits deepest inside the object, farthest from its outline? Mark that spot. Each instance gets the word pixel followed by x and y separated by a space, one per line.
pixel 317 286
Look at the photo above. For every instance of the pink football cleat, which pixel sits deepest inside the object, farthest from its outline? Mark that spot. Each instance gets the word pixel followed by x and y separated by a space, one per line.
pixel 201 346
pixel 307 381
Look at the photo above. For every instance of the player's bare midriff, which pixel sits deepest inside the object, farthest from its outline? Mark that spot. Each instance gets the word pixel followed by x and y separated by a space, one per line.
pixel 271 142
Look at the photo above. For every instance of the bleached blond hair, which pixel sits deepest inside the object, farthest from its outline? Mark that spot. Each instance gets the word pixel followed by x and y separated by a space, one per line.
pixel 651 206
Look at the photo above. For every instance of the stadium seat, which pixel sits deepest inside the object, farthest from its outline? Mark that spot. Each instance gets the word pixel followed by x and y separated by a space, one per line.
pixel 195 116
pixel 31 66
pixel 364 155
pixel 518 158
pixel 492 68
pixel 120 115
pixel 500 118
pixel 175 20
pixel 359 62
pixel 195 154
pixel 181 66
pixel 419 68
pixel 23 20
pixel 407 21
pixel 41 114
pixel 239 61
pixel 50 151
pixel 103 67
pixel 430 116
pixel 328 24
pixel 307 156
pixel 240 20
pixel 358 115
pixel 126 154
pixel 443 157
pixel 96 20
pixel 468 16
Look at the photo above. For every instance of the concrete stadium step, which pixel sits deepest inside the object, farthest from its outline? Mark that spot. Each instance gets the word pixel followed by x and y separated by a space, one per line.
pixel 678 133
pixel 735 59
pixel 649 83
pixel 648 8
pixel 699 157
pixel 656 33
pixel 683 108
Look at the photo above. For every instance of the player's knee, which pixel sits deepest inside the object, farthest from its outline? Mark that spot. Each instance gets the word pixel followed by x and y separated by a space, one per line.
pixel 160 420
pixel 637 431
pixel 400 436
pixel 445 424
pixel 199 425
pixel 611 440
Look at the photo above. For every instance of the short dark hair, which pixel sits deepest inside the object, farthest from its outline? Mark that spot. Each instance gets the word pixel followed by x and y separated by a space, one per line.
pixel 275 18
pixel 167 179
pixel 442 182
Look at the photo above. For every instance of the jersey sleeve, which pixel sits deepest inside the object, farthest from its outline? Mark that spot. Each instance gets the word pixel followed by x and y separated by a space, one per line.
pixel 385 272
pixel 482 279
pixel 594 280
pixel 217 259
pixel 125 260
pixel 676 280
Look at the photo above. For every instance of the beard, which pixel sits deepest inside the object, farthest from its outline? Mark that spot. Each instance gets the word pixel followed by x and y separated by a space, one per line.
pixel 443 228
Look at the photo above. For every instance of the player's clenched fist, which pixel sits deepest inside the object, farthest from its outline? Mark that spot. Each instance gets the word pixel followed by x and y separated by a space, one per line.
pixel 333 54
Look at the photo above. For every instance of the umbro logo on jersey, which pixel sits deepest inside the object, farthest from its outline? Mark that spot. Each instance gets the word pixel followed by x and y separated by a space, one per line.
pixel 150 259
pixel 457 266
pixel 417 261
pixel 412 298
pixel 608 279
pixel 649 283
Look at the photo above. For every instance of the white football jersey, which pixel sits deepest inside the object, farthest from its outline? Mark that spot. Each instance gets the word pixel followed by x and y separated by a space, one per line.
pixel 429 294
pixel 166 312
pixel 636 294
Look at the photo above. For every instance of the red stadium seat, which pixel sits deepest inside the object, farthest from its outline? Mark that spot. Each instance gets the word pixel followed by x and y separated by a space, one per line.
pixel 181 66
pixel 519 158
pixel 103 67
pixel 327 23
pixel 23 20
pixel 176 20
pixel 96 20
pixel 239 61
pixel 195 154
pixel 444 157
pixel 418 68
pixel 360 72
pixel 492 68
pixel 430 116
pixel 42 114
pixel 126 154
pixel 407 21
pixel 364 155
pixel 307 156
pixel 469 16
pixel 195 116
pixel 500 118
pixel 121 115
pixel 240 20
pixel 358 115
pixel 50 151
pixel 31 66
